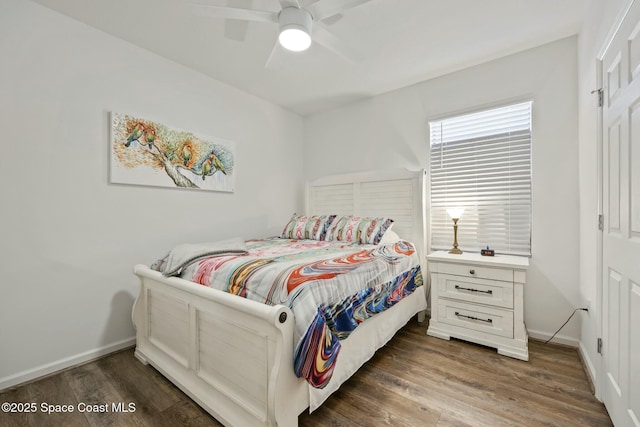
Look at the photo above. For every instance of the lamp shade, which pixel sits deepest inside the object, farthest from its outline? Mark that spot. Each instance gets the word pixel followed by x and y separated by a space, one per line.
pixel 455 213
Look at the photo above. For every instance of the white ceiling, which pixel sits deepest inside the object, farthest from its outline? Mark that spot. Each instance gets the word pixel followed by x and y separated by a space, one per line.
pixel 402 41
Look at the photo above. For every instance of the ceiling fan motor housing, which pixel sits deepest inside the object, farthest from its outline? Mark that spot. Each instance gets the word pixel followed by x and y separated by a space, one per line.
pixel 295 18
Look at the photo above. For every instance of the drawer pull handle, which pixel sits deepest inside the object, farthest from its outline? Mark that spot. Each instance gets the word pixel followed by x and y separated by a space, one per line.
pixel 474 318
pixel 490 292
pixel 472 271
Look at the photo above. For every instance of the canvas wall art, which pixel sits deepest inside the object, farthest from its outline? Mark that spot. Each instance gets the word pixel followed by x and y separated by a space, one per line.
pixel 144 152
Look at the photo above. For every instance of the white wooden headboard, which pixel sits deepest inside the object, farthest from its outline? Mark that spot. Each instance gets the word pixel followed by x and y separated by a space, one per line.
pixel 395 194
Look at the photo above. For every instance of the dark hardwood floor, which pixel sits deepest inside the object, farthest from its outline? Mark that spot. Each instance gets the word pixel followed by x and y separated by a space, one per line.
pixel 416 380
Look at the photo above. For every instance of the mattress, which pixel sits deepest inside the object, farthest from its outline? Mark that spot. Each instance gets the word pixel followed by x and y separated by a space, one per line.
pixel 330 286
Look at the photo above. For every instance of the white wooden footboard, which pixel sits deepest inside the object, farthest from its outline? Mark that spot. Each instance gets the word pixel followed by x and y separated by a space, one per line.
pixel 233 356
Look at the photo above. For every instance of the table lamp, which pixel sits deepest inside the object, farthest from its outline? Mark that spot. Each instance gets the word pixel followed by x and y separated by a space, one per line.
pixel 455 214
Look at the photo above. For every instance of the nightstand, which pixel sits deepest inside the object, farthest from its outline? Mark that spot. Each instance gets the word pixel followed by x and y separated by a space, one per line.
pixel 479 299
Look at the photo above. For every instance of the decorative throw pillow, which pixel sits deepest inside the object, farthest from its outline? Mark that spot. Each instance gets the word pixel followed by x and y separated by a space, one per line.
pixel 307 227
pixel 358 229
pixel 389 236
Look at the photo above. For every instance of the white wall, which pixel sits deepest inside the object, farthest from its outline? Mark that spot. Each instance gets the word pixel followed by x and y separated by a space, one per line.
pixel 390 131
pixel 68 238
pixel 599 18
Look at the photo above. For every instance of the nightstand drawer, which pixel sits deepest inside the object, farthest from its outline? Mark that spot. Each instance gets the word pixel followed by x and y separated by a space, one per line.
pixel 478 318
pixel 480 272
pixel 490 292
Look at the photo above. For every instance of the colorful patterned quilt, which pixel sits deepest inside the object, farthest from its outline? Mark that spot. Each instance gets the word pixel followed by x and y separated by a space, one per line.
pixel 331 287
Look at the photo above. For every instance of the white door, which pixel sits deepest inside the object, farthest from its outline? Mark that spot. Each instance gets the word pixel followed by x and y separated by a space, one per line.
pixel 621 234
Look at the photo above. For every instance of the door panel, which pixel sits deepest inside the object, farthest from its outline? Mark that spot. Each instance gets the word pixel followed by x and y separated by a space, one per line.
pixel 614 77
pixel 634 156
pixel 612 328
pixel 634 352
pixel 634 52
pixel 614 176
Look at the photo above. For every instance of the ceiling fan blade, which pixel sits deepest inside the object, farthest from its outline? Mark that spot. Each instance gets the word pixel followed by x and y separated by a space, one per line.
pixel 276 57
pixel 307 3
pixel 290 3
pixel 211 11
pixel 333 19
pixel 235 29
pixel 324 37
pixel 329 20
pixel 327 8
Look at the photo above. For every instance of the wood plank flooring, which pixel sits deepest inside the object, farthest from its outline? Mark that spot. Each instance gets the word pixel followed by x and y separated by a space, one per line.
pixel 415 380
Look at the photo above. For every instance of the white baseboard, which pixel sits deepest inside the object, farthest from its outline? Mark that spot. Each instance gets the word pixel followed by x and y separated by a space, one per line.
pixel 59 365
pixel 558 339
pixel 590 369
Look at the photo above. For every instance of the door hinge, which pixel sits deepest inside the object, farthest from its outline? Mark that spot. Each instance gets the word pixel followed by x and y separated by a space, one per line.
pixel 599 345
pixel 600 93
pixel 601 222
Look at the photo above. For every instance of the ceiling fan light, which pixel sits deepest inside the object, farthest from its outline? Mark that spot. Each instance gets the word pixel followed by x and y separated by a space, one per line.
pixel 295 28
pixel 294 38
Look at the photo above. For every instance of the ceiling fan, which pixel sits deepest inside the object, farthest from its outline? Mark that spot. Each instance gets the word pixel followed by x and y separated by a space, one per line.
pixel 299 21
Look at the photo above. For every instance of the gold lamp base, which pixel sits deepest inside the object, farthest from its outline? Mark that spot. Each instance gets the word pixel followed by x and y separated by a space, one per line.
pixel 455 249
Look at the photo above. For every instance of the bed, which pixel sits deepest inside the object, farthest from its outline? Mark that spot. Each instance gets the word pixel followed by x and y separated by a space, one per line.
pixel 235 356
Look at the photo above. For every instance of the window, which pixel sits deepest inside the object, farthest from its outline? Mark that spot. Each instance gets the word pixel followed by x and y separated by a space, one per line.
pixel 482 162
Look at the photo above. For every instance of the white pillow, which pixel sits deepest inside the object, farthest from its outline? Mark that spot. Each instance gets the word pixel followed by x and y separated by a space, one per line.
pixel 358 229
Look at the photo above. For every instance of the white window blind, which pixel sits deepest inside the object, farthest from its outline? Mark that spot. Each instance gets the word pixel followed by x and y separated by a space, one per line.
pixel 482 162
